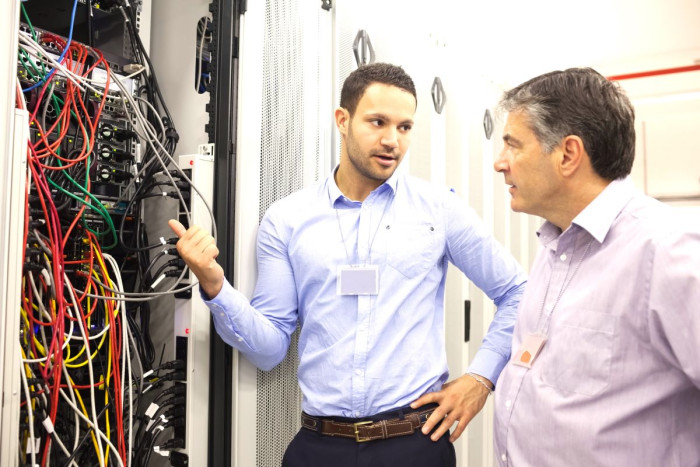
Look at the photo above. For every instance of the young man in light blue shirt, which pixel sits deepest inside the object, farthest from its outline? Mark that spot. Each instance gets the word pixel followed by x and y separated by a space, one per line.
pixel 359 261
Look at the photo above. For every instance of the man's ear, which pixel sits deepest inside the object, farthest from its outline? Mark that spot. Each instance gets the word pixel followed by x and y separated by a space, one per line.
pixel 342 120
pixel 573 155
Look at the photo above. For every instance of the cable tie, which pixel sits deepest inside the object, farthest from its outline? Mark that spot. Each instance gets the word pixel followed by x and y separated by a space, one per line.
pixel 47 276
pixel 48 425
pixel 152 409
pixel 33 445
pixel 147 374
pixel 162 453
pixel 162 239
pixel 165 193
pixel 132 68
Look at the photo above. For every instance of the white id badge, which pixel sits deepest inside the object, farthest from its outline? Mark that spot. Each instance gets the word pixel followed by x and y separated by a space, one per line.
pixel 529 349
pixel 358 280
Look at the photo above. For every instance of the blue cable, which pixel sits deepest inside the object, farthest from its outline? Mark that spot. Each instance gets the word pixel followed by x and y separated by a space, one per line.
pixel 63 54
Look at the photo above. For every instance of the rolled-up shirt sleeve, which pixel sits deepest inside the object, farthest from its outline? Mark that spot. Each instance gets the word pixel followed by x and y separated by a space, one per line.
pixel 496 272
pixel 261 328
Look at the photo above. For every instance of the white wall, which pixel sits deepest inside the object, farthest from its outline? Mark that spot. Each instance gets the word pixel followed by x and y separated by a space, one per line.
pixel 513 40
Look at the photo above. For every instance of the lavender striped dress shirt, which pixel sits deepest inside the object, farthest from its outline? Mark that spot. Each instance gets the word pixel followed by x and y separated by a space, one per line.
pixel 617 382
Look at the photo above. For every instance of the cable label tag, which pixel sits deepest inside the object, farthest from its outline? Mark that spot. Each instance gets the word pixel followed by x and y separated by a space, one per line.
pixel 48 425
pixel 152 409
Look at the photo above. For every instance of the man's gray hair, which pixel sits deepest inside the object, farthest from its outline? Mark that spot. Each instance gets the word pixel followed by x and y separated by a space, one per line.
pixel 581 102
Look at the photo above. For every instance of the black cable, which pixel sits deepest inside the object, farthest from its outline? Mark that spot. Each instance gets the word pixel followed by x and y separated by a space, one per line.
pixel 170 423
pixel 84 439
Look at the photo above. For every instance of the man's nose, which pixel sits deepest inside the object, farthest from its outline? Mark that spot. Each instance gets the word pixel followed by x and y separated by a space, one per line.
pixel 390 138
pixel 500 164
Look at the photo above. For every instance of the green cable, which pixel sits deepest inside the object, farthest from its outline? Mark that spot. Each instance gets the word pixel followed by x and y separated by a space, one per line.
pixel 99 207
pixel 31 28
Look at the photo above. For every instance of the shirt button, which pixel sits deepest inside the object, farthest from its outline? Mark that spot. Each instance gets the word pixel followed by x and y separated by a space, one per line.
pixel 509 403
pixel 357 414
pixel 222 314
pixel 240 339
pixel 503 457
pixel 563 257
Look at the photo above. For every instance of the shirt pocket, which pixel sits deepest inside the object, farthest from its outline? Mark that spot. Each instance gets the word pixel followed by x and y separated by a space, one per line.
pixel 414 247
pixel 580 354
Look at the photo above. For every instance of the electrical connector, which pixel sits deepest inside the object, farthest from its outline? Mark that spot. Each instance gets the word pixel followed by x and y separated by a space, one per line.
pixel 170 133
pixel 173 365
pixel 132 67
pixel 173 273
pixel 179 459
pixel 175 376
pixel 175 443
pixel 171 251
pixel 179 421
pixel 177 262
pixel 177 409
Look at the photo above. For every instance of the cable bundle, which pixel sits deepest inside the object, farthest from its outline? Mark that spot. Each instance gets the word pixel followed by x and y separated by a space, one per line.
pixel 82 326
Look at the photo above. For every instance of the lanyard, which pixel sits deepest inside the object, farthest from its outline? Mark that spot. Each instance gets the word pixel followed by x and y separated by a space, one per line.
pixel 369 251
pixel 546 315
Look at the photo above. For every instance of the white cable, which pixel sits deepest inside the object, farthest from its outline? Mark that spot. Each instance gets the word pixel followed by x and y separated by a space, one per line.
pixel 126 360
pixel 35 50
pixel 44 312
pixel 30 412
pixel 90 373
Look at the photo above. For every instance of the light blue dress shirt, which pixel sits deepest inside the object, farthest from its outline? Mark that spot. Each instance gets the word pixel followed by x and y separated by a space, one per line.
pixel 360 355
pixel 617 382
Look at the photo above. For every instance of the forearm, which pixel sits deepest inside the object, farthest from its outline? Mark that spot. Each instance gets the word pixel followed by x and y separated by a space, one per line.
pixel 262 341
pixel 495 349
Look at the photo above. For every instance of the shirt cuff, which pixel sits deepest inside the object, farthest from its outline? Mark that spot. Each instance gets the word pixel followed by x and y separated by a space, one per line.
pixel 225 307
pixel 488 364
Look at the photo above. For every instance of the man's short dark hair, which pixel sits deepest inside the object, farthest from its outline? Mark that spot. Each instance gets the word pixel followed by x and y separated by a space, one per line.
pixel 581 102
pixel 359 80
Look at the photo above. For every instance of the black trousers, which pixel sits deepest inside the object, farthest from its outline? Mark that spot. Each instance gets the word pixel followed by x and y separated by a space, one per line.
pixel 311 449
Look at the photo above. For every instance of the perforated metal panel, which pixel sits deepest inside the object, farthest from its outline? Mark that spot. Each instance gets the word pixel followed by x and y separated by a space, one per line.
pixel 288 114
pixel 346 63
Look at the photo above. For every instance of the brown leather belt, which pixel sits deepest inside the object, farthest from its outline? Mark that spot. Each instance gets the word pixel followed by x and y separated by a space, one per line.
pixel 367 430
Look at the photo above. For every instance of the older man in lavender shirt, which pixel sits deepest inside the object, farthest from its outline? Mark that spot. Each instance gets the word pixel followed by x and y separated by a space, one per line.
pixel 605 368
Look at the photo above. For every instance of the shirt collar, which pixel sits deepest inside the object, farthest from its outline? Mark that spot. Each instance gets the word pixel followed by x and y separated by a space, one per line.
pixel 334 193
pixel 599 215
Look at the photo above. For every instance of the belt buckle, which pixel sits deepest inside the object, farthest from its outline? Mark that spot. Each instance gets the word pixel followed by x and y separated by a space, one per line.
pixel 357 432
